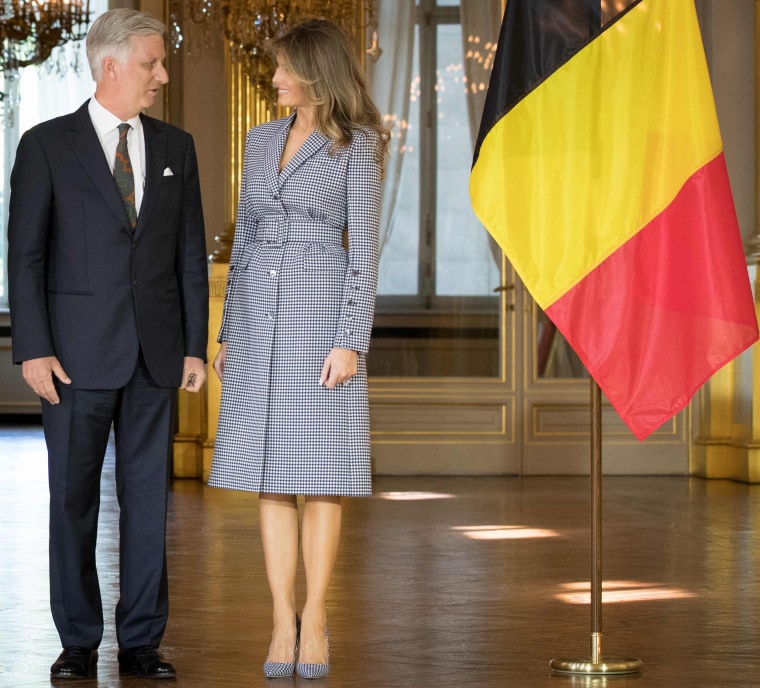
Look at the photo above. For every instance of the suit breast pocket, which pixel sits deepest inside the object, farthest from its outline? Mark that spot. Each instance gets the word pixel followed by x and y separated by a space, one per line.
pixel 169 202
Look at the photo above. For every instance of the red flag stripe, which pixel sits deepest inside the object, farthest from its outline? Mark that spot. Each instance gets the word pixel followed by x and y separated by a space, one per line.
pixel 649 320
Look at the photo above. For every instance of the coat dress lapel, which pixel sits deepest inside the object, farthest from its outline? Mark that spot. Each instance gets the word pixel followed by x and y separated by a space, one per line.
pixel 313 144
pixel 275 148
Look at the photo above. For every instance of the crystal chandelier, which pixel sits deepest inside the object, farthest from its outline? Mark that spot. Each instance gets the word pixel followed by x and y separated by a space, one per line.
pixel 31 29
pixel 249 24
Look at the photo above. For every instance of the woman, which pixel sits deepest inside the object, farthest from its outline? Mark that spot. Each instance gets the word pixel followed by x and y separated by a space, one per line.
pixel 296 326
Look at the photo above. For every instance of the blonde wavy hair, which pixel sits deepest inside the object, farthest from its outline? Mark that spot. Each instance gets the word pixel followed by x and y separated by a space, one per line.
pixel 320 57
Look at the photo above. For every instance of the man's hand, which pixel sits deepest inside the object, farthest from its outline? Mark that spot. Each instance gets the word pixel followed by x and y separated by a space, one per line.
pixel 38 374
pixel 219 360
pixel 194 374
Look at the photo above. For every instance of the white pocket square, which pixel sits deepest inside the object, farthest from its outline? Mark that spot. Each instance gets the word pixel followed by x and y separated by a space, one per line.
pixel 168 172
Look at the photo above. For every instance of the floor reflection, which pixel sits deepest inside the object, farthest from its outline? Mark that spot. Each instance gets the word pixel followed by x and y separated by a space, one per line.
pixel 440 582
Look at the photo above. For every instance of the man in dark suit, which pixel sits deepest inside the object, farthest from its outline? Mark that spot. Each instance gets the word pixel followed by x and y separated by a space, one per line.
pixel 109 309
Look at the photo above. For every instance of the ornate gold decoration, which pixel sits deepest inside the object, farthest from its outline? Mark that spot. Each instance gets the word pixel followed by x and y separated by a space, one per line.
pixel 249 24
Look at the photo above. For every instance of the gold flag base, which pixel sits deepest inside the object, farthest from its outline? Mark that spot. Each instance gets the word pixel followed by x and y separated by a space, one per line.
pixel 604 667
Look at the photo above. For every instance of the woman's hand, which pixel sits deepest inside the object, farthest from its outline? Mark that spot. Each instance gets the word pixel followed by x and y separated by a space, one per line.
pixel 339 367
pixel 219 360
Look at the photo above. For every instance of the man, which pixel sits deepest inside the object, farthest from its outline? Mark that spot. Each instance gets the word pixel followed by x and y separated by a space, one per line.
pixel 109 309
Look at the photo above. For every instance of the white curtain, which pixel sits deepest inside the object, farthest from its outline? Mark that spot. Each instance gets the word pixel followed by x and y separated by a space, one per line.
pixel 48 93
pixel 481 21
pixel 390 83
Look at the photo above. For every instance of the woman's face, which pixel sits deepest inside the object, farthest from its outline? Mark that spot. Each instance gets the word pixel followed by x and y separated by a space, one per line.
pixel 289 93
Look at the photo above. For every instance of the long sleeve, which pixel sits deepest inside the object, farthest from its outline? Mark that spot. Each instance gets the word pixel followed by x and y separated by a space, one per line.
pixel 363 216
pixel 29 228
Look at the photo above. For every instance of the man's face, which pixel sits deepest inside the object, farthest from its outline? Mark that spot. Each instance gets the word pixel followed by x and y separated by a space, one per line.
pixel 140 78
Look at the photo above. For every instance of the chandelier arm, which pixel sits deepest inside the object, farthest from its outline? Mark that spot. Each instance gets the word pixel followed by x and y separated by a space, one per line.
pixel 30 31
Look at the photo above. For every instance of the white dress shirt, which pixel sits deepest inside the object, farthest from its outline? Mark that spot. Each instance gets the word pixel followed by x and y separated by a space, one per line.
pixel 107 128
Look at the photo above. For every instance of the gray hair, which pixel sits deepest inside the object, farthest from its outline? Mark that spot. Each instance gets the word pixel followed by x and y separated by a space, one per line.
pixel 110 33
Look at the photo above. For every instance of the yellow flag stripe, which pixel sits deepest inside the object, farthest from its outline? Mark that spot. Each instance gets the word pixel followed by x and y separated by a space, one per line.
pixel 600 148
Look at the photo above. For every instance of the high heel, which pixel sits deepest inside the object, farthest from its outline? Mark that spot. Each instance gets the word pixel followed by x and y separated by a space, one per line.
pixel 283 669
pixel 316 670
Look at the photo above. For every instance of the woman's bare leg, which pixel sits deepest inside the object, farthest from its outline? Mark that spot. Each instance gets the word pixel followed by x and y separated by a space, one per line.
pixel 320 538
pixel 279 535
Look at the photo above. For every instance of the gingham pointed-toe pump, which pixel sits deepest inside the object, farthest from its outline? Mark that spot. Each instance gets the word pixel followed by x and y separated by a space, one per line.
pixel 283 669
pixel 316 670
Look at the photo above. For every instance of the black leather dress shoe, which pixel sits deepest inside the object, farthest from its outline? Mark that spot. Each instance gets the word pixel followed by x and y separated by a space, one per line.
pixel 144 662
pixel 75 663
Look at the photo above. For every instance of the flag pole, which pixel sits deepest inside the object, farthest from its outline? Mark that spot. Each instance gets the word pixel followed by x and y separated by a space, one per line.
pixel 596 663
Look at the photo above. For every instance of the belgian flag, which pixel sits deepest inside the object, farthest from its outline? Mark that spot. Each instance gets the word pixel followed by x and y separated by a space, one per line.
pixel 599 170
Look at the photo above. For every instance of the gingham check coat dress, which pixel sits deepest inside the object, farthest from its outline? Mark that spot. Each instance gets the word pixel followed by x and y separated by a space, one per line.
pixel 293 293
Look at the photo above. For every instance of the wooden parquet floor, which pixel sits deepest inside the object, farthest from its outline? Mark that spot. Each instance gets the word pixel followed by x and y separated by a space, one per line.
pixel 440 582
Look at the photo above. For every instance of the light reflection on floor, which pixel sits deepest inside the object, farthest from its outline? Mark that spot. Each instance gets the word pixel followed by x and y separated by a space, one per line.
pixel 413 496
pixel 621 591
pixel 504 532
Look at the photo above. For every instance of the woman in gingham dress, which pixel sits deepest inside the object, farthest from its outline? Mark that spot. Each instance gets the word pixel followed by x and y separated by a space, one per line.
pixel 296 327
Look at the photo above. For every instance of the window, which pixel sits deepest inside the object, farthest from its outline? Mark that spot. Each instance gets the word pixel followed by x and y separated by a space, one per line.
pixel 438 302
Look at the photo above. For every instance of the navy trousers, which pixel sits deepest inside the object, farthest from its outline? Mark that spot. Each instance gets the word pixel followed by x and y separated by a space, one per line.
pixel 76 434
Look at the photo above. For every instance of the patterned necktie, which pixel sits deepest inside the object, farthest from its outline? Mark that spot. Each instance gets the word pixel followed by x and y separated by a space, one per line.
pixel 125 178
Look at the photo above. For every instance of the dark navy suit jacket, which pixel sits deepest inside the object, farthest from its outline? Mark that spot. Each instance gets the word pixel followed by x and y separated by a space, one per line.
pixel 83 285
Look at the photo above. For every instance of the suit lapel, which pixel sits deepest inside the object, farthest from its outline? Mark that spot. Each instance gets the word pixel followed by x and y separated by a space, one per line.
pixel 84 140
pixel 155 163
